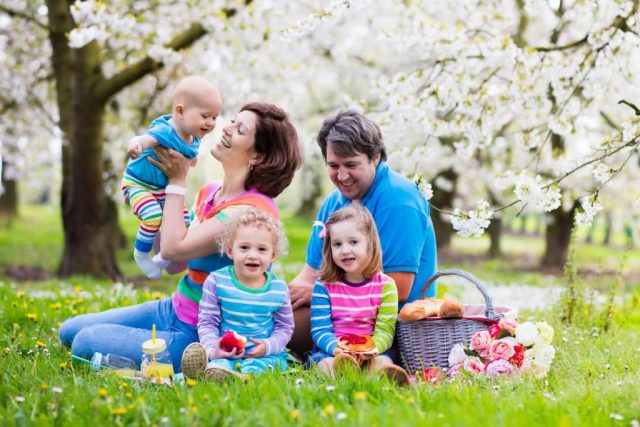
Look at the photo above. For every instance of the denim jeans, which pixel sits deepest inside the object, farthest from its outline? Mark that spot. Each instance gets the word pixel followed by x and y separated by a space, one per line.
pixel 123 330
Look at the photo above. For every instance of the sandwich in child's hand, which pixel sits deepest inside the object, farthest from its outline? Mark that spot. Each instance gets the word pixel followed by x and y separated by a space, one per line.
pixel 356 343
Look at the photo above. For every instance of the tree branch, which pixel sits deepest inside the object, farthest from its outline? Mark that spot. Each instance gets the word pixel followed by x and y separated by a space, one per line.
pixel 128 76
pixel 23 15
pixel 571 45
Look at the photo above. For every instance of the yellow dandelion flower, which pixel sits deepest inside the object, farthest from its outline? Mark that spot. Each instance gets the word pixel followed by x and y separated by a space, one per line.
pixel 40 344
pixel 205 396
pixel 360 395
pixel 157 295
pixel 329 409
pixel 102 392
pixel 63 365
pixel 6 350
pixel 77 288
pixel 74 312
pixel 128 394
pixel 295 415
pixel 147 295
pixel 16 326
pixel 120 410
pixel 124 385
pixel 238 365
pixel 32 316
pixel 130 406
pixel 191 383
pixel 56 306
pixel 58 324
pixel 20 334
pixel 25 305
pixel 20 294
pixel 44 386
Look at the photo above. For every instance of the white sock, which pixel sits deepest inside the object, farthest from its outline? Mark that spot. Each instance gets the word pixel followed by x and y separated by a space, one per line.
pixel 146 264
pixel 160 262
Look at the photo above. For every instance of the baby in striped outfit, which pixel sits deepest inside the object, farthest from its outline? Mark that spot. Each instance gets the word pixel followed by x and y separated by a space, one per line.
pixel 196 107
pixel 245 298
pixel 353 297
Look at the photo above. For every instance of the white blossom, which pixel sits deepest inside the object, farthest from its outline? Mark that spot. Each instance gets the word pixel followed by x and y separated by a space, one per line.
pixel 590 207
pixel 474 222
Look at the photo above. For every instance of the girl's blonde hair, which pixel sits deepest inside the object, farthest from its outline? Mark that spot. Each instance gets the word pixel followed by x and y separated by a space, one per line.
pixel 330 272
pixel 257 218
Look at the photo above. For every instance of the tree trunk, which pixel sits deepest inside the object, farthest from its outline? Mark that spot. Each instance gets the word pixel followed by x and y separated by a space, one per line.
pixel 443 199
pixel 608 227
pixel 9 198
pixel 495 236
pixel 558 237
pixel 86 216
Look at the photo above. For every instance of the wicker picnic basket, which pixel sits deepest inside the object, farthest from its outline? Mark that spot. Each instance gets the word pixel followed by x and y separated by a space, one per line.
pixel 428 342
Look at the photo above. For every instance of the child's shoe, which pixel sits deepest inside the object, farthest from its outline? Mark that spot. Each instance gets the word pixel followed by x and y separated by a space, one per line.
pixel 345 362
pixel 396 374
pixel 219 374
pixel 194 360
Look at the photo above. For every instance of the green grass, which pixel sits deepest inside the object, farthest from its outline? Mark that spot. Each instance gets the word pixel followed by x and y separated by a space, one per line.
pixel 593 378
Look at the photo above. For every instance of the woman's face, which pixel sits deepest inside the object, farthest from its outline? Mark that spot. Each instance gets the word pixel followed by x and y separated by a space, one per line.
pixel 236 147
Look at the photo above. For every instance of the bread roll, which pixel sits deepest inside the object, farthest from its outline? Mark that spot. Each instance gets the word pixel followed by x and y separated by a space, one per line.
pixel 451 308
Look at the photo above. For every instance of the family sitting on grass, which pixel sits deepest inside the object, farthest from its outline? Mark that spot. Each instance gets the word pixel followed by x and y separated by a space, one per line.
pixel 370 250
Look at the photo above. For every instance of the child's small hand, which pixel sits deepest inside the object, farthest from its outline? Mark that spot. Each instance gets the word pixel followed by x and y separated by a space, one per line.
pixel 361 358
pixel 259 350
pixel 337 351
pixel 219 353
pixel 134 149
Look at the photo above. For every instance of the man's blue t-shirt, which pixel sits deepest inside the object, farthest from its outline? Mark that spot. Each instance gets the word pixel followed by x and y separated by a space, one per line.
pixel 162 131
pixel 401 214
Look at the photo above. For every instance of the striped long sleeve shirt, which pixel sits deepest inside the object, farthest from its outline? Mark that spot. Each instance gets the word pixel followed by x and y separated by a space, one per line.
pixel 369 308
pixel 263 313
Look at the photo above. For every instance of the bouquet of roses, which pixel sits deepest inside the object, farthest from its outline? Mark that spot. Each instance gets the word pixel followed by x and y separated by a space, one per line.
pixel 506 348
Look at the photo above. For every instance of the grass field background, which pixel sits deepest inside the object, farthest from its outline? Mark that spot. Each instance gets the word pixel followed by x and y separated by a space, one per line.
pixel 593 380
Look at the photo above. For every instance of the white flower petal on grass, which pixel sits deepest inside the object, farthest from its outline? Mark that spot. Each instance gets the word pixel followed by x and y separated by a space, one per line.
pixel 341 416
pixel 616 416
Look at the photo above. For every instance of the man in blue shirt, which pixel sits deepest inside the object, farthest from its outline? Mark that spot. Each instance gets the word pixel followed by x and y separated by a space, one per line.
pixel 355 155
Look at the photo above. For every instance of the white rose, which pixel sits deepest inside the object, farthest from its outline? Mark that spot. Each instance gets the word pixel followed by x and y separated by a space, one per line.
pixel 545 331
pixel 526 333
pixel 457 355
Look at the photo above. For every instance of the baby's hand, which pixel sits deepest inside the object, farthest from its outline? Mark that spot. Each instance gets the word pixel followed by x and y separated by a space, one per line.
pixel 259 350
pixel 134 149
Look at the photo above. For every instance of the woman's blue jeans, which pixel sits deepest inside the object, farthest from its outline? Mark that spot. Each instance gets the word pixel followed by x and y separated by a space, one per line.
pixel 123 330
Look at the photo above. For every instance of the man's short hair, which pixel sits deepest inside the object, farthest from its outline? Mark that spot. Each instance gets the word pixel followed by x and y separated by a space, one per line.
pixel 350 133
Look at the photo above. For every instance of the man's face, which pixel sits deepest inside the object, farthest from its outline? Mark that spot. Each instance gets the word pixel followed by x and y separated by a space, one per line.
pixel 352 175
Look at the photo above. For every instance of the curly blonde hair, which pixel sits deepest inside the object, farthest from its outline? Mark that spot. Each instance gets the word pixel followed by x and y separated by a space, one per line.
pixel 330 272
pixel 257 218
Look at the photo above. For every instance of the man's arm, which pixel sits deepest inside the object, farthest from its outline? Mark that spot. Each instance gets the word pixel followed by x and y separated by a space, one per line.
pixel 301 287
pixel 404 282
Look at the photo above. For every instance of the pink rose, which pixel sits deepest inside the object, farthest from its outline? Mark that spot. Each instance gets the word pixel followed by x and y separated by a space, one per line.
pixel 494 330
pixel 500 367
pixel 480 342
pixel 501 349
pixel 508 324
pixel 474 365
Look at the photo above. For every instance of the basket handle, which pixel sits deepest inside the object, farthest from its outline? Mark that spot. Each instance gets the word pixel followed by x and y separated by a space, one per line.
pixel 489 313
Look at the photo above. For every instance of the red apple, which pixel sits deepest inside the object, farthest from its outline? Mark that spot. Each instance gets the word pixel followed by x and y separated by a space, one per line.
pixel 231 340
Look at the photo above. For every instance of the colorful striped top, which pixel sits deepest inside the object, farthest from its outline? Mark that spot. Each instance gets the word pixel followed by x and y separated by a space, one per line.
pixel 263 313
pixel 189 292
pixel 367 308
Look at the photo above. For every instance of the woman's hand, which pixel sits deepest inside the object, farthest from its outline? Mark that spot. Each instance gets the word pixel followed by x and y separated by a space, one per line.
pixel 172 163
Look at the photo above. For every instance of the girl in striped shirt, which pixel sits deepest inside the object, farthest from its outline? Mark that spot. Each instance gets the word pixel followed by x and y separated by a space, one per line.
pixel 245 298
pixel 353 296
